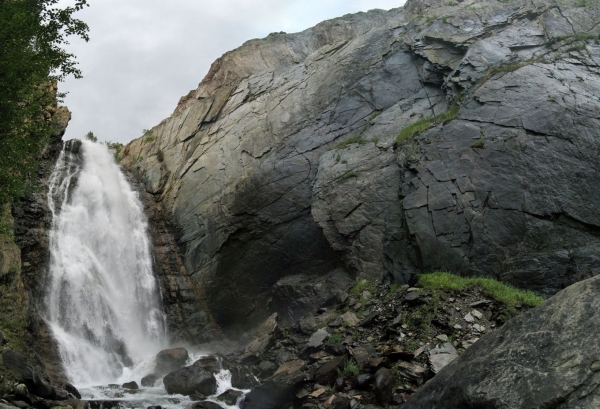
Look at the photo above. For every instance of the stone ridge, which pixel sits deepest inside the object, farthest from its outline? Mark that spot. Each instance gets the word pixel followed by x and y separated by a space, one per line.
pixel 277 50
pixel 284 162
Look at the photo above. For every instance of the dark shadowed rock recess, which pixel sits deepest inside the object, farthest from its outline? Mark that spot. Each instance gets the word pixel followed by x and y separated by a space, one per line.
pixel 283 166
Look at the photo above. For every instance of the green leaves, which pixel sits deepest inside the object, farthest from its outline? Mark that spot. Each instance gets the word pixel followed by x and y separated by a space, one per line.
pixel 32 34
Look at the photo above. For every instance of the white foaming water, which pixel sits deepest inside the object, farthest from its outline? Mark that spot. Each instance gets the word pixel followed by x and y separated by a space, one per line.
pixel 103 301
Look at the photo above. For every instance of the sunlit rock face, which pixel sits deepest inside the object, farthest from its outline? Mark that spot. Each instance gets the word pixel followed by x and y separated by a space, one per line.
pixel 253 176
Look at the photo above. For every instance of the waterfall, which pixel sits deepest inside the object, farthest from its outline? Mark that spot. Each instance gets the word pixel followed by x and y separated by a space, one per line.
pixel 103 301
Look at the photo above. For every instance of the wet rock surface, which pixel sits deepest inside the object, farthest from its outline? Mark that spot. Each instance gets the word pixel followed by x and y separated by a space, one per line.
pixel 190 380
pixel 283 166
pixel 169 360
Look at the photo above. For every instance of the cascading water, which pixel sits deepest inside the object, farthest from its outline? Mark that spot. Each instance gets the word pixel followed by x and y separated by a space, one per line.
pixel 103 301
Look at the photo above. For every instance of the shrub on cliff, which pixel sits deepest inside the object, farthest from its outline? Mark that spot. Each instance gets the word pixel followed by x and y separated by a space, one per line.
pixel 32 34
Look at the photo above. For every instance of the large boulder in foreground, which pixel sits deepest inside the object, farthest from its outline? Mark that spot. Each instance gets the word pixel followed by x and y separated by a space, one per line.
pixel 547 357
pixel 191 380
pixel 169 360
pixel 278 389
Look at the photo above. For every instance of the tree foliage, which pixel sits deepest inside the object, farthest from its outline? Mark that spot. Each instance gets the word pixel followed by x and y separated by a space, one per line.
pixel 32 58
pixel 91 137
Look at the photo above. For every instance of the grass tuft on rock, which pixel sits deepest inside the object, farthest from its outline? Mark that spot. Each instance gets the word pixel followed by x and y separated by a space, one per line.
pixel 478 144
pixel 362 285
pixel 351 368
pixel 423 125
pixel 353 139
pixel 504 293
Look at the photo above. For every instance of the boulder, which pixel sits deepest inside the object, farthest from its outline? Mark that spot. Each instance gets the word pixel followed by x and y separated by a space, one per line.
pixel 364 353
pixel 316 340
pixel 204 405
pixel 150 380
pixel 545 357
pixel 340 402
pixel 131 385
pixel 267 368
pixel 190 380
pixel 241 376
pixel 209 363
pixel 441 356
pixel 279 389
pixel 263 339
pixel 327 373
pixel 230 397
pixel 72 390
pixel 169 360
pixel 384 385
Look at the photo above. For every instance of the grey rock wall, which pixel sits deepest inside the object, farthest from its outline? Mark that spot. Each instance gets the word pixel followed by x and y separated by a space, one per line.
pixel 259 186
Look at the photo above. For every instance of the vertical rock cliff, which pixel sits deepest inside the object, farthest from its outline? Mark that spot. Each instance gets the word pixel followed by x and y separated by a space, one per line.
pixel 24 257
pixel 441 135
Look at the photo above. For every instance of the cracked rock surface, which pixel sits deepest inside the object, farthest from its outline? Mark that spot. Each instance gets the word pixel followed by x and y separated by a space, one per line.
pixel 284 162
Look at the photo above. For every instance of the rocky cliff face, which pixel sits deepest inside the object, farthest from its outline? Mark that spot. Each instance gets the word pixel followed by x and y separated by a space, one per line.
pixel 24 256
pixel 286 161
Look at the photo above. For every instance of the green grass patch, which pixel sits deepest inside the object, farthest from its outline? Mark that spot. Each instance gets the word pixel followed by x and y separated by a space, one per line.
pixel 149 136
pixel 362 285
pixel 351 368
pixel 478 144
pixel 334 338
pixel 423 125
pixel 393 289
pixel 504 293
pixel 349 175
pixel 353 139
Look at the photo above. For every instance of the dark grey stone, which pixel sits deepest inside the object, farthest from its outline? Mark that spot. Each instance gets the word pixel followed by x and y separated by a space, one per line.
pixel 384 385
pixel 190 380
pixel 546 357
pixel 169 360
pixel 150 380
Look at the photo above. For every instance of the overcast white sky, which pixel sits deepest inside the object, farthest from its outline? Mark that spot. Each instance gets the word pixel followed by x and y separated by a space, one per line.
pixel 145 54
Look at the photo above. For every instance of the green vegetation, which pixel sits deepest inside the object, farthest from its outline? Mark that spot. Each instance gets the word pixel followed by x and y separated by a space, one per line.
pixel 32 34
pixel 423 125
pixel 351 368
pixel 349 175
pixel 149 136
pixel 501 292
pixel 393 289
pixel 353 139
pixel 478 144
pixel 91 137
pixel 160 155
pixel 362 285
pixel 116 147
pixel 574 37
pixel 6 222
pixel 334 338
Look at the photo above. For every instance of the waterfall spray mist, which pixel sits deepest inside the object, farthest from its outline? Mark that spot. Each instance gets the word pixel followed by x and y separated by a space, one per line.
pixel 103 301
